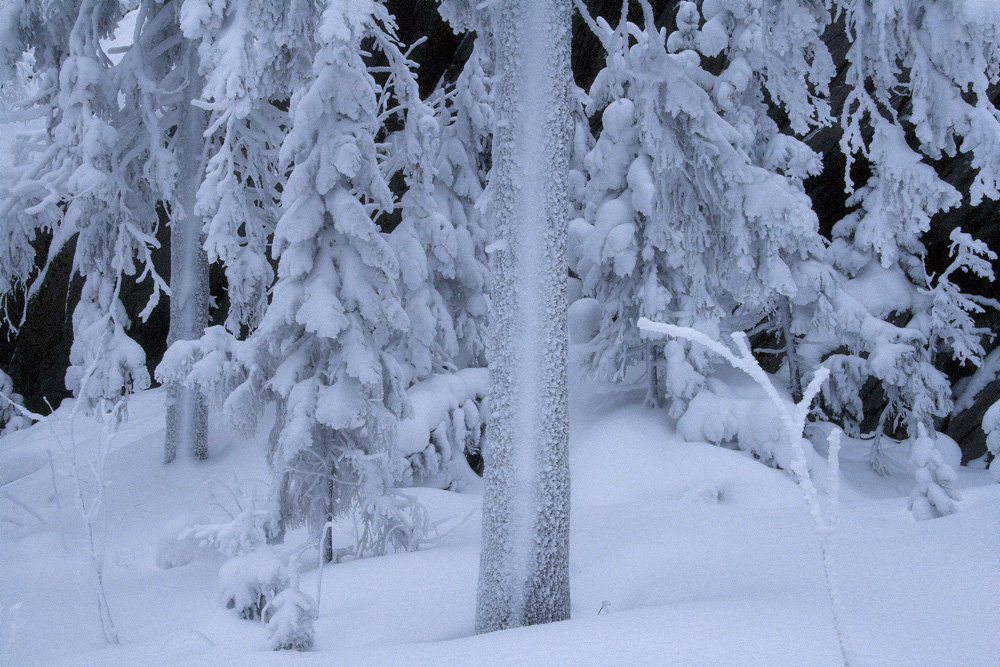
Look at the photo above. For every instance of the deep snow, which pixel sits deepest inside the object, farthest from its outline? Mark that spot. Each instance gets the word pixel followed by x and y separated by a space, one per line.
pixel 681 553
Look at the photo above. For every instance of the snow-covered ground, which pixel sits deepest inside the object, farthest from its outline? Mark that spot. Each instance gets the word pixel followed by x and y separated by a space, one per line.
pixel 682 553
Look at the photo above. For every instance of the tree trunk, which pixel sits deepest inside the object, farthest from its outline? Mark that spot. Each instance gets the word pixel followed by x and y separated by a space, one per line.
pixel 524 567
pixel 187 410
pixel 791 350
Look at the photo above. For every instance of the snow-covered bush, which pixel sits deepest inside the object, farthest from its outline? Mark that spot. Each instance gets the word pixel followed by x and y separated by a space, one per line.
pixel 934 494
pixel 11 418
pixel 250 522
pixel 733 409
pixel 289 618
pixel 175 545
pixel 991 425
pixel 249 582
pixel 385 522
pixel 181 540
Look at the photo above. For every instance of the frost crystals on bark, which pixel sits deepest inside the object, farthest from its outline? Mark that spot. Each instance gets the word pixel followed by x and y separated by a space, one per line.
pixel 524 567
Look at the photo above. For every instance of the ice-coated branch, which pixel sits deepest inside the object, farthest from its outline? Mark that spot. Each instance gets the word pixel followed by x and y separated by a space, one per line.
pixel 793 422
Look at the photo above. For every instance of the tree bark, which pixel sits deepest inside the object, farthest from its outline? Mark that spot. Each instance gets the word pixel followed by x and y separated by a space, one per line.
pixel 524 566
pixel 187 409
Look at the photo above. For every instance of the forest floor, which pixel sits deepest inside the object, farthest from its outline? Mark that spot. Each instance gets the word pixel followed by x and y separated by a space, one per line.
pixel 681 553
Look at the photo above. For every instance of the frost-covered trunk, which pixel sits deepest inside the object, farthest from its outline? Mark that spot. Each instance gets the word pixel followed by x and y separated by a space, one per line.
pixel 187 410
pixel 524 567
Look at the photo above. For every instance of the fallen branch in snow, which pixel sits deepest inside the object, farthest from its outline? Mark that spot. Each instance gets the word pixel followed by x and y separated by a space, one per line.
pixel 793 420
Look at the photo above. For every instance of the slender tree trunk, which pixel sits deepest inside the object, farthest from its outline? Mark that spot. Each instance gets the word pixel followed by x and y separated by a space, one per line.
pixel 791 350
pixel 187 409
pixel 652 376
pixel 524 567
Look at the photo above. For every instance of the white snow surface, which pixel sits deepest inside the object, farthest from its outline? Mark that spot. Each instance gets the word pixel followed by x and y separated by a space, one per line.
pixel 681 553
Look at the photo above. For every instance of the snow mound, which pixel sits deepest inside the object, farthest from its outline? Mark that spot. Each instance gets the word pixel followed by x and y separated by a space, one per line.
pixel 731 409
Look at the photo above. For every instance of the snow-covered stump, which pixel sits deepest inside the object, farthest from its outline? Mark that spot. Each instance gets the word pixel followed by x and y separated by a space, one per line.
pixel 187 407
pixel 524 566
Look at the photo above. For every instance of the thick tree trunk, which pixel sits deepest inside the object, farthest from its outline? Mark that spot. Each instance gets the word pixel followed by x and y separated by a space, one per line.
pixel 187 410
pixel 524 567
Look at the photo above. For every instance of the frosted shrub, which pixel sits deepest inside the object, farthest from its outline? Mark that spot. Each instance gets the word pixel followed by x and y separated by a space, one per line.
pixel 391 523
pixel 175 546
pixel 289 617
pixel 251 522
pixel 249 582
pixel 933 495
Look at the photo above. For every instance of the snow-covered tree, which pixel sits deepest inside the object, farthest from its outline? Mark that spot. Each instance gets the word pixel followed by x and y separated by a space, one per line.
pixel 524 567
pixel 159 80
pixel 441 239
pixel 322 349
pixel 774 59
pixel 289 618
pixel 424 240
pixel 684 221
pixel 913 93
pixel 82 181
pixel 251 59
pixel 461 171
pixel 934 495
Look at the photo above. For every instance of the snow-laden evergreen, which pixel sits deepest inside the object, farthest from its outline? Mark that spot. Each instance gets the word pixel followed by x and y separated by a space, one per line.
pixel 441 238
pixel 249 67
pixel 681 223
pixel 524 566
pixel 159 81
pixel 322 349
pixel 83 180
pixel 773 51
pixel 893 317
pixel 424 241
